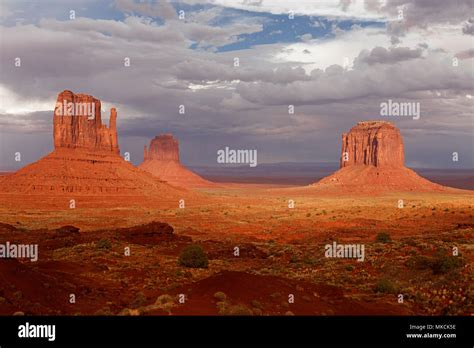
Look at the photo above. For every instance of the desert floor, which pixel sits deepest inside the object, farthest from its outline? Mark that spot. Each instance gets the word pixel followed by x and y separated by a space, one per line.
pixel 281 254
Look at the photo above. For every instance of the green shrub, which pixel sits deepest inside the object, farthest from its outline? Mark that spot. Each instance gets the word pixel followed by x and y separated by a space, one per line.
pixel 103 244
pixel 440 263
pixel 220 296
pixel 193 256
pixel 164 299
pixel 443 263
pixel 419 262
pixel 294 259
pixel 310 261
pixel 383 237
pixel 385 286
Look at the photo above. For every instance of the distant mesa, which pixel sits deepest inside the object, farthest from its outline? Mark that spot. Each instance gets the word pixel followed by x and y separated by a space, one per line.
pixel 372 160
pixel 86 157
pixel 162 160
pixel 162 148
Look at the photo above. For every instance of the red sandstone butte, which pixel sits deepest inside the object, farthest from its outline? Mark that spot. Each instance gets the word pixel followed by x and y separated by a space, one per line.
pixel 77 130
pixel 372 160
pixel 162 160
pixel 377 143
pixel 162 148
pixel 85 161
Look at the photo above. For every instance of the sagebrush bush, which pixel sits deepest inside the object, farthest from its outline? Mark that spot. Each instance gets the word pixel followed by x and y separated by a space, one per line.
pixel 193 256
pixel 419 262
pixel 385 286
pixel 383 237
pixel 103 244
pixel 221 296
pixel 443 263
pixel 440 263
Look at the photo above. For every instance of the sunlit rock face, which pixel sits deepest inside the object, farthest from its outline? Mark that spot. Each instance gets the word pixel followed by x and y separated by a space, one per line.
pixel 372 143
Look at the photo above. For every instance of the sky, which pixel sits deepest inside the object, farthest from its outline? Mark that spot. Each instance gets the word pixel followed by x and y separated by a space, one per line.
pixel 334 62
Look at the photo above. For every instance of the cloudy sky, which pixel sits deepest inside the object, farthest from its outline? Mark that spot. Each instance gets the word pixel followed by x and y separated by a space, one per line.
pixel 334 61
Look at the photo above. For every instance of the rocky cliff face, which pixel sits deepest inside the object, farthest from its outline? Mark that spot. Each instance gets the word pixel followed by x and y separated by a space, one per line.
pixel 164 148
pixel 372 143
pixel 78 124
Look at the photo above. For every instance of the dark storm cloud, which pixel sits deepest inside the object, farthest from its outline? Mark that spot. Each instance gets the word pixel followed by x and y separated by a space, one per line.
pixel 211 70
pixel 38 121
pixel 384 80
pixel 225 104
pixel 468 27
pixel 423 14
pixel 380 55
